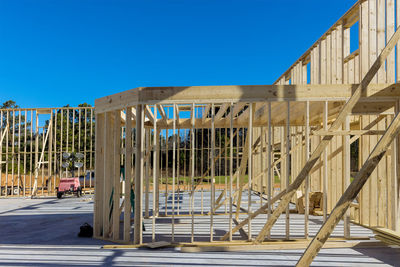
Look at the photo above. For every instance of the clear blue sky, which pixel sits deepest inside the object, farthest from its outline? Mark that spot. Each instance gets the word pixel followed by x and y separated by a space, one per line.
pixel 58 52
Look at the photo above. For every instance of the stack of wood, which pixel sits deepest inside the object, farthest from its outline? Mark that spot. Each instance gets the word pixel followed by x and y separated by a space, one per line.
pixel 315 200
pixel 386 235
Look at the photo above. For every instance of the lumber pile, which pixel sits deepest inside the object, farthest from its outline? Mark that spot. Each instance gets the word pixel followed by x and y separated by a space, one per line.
pixel 315 200
pixel 386 235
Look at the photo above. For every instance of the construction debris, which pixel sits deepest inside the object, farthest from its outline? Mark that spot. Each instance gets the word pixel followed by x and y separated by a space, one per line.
pixel 315 206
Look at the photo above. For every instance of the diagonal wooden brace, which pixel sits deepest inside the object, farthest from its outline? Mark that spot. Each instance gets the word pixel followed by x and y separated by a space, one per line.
pixel 253 215
pixel 346 110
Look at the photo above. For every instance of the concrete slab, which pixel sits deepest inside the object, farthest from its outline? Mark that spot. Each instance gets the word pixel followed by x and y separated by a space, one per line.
pixel 43 232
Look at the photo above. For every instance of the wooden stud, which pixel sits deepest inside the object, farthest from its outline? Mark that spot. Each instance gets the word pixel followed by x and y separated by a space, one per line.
pixel 231 173
pixel 212 173
pixel 270 158
pixel 155 170
pixel 137 233
pixel 13 151
pixel 287 170
pixel 25 151
pixel 128 175
pixel 346 173
pixel 390 27
pixel 380 37
pixel 107 165
pixel 173 171
pixel 116 175
pixel 307 181
pixel 166 168
pixel 147 171
pixel 325 167
pixel 250 166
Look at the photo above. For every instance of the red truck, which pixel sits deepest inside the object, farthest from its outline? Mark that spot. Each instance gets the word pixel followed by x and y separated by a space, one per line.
pixel 69 186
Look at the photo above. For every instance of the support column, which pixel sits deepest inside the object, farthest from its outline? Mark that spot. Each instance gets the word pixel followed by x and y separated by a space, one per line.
pixel 137 237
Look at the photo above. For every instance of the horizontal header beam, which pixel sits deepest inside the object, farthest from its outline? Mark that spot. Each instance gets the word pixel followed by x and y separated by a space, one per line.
pixel 245 93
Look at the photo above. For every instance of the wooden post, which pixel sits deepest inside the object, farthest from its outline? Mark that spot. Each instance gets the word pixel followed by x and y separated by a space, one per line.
pixel 166 170
pixel 270 158
pixel 116 177
pixel 287 171
pixel 25 151
pixel 147 173
pixel 261 157
pixel 158 172
pixel 307 182
pixel 212 173
pixel 31 156
pixel 325 167
pixel 19 153
pixel 173 171
pixel 390 27
pixel 155 170
pixel 137 233
pixel 346 172
pixel 192 141
pixel 178 159
pixel 250 165
pixel 128 174
pixel 33 192
pixel 107 170
pixel 91 144
pixel 231 173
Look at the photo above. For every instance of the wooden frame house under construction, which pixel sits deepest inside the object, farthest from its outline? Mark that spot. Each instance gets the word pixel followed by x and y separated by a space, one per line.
pixel 173 155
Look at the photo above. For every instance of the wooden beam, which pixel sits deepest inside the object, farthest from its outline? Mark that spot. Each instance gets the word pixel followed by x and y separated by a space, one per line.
pixel 137 231
pixel 128 176
pixel 245 94
pixel 270 157
pixel 155 173
pixel 287 170
pixel 325 167
pixel 230 173
pixel 192 172
pixel 348 132
pixel 212 173
pixel 206 111
pixel 99 170
pixel 149 114
pixel 307 182
pixel 221 111
pixel 162 112
pixel 237 108
pixel 250 164
pixel 116 175
pixel 346 173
